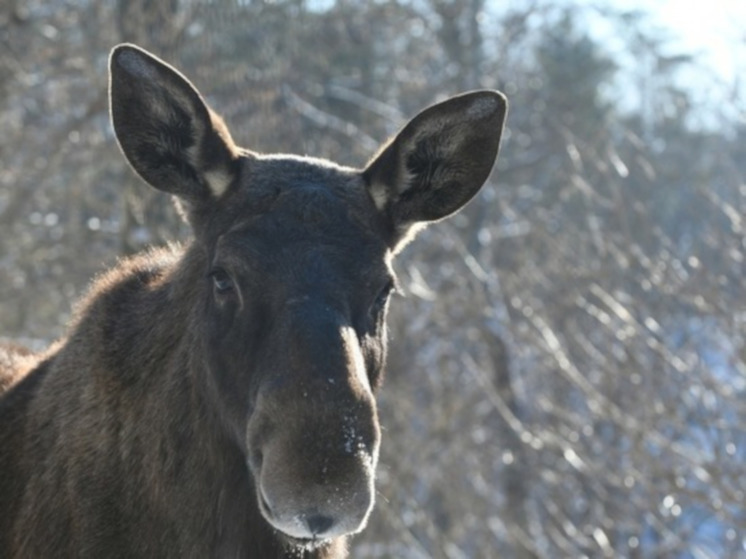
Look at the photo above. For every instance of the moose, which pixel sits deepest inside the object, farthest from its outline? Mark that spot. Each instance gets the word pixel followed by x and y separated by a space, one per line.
pixel 217 398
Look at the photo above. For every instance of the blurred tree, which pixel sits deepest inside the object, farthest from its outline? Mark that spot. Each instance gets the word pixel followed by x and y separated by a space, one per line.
pixel 568 364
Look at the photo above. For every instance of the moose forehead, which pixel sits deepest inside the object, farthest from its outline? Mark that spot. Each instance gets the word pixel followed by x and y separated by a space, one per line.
pixel 303 210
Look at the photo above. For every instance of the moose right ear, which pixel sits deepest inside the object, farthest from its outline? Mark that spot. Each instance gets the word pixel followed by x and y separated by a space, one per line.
pixel 169 135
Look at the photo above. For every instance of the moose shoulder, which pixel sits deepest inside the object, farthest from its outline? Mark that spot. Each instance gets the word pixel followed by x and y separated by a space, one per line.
pixel 218 400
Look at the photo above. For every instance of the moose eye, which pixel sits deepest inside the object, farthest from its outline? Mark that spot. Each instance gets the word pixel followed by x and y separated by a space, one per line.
pixel 221 281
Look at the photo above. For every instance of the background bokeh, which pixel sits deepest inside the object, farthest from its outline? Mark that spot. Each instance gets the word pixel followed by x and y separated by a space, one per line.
pixel 568 365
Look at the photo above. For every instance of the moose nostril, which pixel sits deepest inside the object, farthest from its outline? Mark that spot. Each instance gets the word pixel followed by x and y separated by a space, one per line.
pixel 319 523
pixel 265 504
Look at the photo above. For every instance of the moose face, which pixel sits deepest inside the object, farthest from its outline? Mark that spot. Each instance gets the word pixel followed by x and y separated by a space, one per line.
pixel 294 256
pixel 295 333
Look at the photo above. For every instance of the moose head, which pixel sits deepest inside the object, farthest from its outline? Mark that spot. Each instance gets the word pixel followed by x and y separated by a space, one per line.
pixel 289 278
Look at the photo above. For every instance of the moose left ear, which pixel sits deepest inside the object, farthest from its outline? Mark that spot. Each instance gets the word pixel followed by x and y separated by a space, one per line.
pixel 167 132
pixel 438 161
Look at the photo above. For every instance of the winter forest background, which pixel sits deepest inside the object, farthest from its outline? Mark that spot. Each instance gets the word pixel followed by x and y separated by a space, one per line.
pixel 568 366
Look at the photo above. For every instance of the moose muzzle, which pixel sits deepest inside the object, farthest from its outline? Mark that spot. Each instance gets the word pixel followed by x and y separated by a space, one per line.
pixel 313 438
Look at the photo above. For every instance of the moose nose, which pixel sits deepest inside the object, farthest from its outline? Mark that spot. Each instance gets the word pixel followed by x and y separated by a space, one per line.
pixel 319 524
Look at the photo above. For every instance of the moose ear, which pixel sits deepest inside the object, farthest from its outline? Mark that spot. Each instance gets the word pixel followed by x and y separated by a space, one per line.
pixel 166 131
pixel 438 161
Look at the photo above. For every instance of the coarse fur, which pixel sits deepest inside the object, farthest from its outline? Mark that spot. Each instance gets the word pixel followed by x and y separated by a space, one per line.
pixel 218 399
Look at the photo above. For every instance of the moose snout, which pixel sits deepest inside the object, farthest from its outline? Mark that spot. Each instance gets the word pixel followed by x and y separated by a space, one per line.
pixel 313 436
pixel 317 513
pixel 314 466
pixel 315 497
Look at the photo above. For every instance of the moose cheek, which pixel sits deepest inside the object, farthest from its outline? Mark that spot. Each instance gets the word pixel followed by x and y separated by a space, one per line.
pixel 218 319
pixel 228 320
pixel 231 352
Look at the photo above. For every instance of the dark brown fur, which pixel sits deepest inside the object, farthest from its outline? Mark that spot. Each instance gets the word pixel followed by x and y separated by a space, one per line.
pixel 217 400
